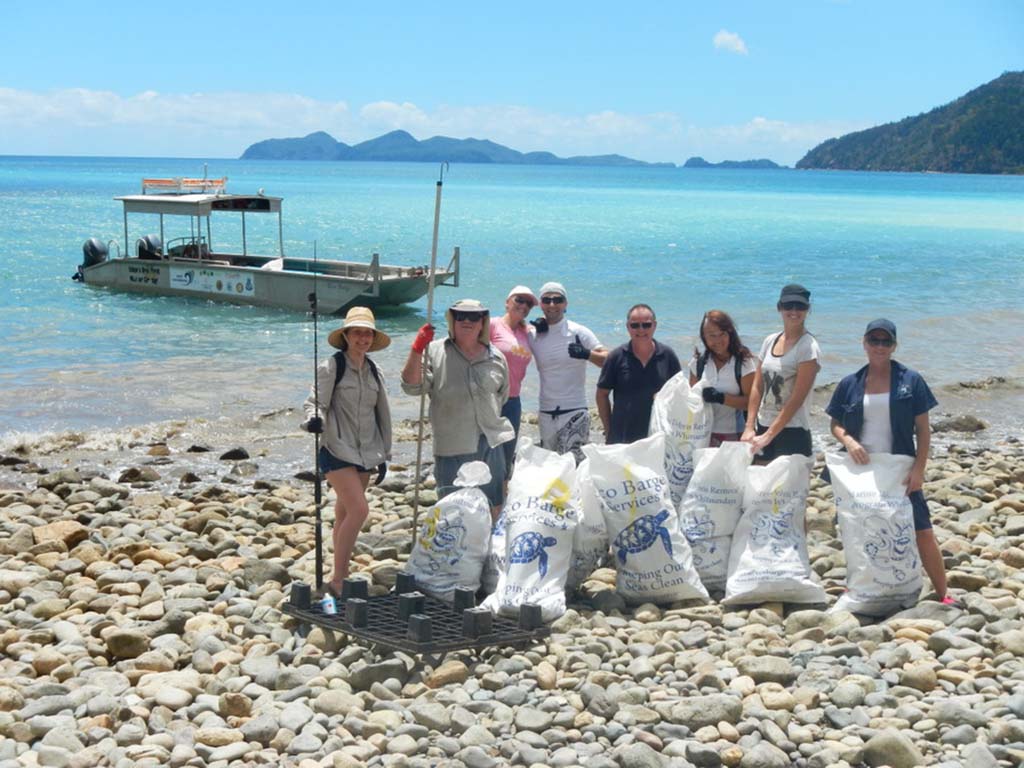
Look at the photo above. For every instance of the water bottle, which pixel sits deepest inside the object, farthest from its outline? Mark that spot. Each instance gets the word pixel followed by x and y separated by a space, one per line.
pixel 328 606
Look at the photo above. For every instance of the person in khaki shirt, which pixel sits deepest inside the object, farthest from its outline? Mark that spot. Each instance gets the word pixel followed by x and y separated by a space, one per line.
pixel 354 420
pixel 466 379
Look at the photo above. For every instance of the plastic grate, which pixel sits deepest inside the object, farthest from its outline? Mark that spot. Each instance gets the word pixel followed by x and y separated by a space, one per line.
pixel 386 629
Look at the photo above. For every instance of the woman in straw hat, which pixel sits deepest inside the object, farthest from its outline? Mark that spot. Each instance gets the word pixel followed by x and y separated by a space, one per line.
pixel 355 421
pixel 466 378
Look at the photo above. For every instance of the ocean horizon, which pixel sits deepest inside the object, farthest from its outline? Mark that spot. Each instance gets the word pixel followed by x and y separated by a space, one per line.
pixel 941 255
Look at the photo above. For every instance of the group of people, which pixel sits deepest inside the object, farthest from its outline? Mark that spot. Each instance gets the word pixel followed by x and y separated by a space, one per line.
pixel 473 378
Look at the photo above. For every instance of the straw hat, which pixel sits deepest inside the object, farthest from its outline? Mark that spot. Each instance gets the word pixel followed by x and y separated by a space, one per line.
pixel 470 305
pixel 359 317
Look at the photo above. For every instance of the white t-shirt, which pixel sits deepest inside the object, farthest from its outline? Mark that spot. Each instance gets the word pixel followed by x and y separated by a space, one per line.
pixel 563 379
pixel 876 436
pixel 724 380
pixel 779 377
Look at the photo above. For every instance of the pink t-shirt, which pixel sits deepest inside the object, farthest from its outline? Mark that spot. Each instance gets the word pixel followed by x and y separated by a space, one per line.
pixel 514 345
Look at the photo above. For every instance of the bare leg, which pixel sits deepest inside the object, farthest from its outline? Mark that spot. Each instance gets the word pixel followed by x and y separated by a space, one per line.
pixel 931 559
pixel 350 511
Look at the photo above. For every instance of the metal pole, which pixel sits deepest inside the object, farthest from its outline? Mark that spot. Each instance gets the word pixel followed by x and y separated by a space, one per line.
pixel 318 536
pixel 423 357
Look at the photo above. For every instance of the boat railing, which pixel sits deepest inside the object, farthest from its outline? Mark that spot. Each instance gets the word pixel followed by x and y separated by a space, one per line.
pixel 453 270
pixel 372 277
pixel 114 245
pixel 184 186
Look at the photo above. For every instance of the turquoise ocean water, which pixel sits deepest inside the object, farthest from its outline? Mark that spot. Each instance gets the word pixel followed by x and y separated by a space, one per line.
pixel 943 256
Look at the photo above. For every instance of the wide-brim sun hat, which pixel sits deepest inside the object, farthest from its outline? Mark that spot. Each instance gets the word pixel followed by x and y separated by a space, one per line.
pixel 470 305
pixel 522 290
pixel 794 292
pixel 359 317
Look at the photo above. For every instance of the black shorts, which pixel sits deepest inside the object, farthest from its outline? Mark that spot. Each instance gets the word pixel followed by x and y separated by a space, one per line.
pixel 790 441
pixel 922 517
pixel 331 463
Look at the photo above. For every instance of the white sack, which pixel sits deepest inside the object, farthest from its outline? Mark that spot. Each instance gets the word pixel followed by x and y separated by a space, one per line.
pixel 679 411
pixel 711 507
pixel 540 521
pixel 590 542
pixel 876 525
pixel 651 555
pixel 768 560
pixel 454 536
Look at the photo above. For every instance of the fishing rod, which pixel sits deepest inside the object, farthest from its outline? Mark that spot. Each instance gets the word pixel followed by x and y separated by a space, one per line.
pixel 318 536
pixel 423 355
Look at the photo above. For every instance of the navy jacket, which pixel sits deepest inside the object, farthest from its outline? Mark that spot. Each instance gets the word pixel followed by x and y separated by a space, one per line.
pixel 909 397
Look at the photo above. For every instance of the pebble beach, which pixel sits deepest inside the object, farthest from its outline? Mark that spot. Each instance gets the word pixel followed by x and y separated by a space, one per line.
pixel 141 625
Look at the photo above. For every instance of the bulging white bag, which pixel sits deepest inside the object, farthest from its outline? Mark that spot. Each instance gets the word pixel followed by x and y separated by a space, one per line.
pixel 711 507
pixel 876 525
pixel 590 541
pixel 768 560
pixel 680 413
pixel 540 522
pixel 651 555
pixel 453 538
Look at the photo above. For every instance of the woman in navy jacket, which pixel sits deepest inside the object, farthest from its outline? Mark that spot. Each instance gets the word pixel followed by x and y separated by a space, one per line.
pixel 881 409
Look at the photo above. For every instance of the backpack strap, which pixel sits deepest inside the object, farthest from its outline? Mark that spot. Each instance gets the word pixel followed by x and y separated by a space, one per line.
pixel 702 362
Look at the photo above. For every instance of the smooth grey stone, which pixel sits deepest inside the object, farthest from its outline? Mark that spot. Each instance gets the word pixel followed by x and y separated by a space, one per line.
pixel 977 755
pixel 702 755
pixel 638 755
pixel 765 755
pixel 891 748
pixel 961 734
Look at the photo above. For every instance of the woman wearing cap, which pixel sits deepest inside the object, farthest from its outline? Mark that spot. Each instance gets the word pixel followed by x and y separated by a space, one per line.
pixel 731 368
pixel 509 335
pixel 355 421
pixel 467 381
pixel 881 409
pixel 778 423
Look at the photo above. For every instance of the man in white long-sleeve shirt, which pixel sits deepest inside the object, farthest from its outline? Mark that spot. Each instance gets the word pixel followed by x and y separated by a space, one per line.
pixel 561 349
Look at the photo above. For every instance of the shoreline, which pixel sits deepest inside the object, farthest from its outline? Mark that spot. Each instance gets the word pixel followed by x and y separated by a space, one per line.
pixel 143 626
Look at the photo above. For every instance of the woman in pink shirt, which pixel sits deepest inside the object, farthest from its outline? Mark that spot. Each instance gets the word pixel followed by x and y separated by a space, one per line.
pixel 509 335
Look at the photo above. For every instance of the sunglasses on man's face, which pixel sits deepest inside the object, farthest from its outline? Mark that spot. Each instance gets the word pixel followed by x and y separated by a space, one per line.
pixel 789 306
pixel 638 326
pixel 523 300
pixel 553 300
pixel 467 317
pixel 880 341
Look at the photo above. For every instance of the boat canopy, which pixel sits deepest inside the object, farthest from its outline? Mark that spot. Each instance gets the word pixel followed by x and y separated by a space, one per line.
pixel 199 205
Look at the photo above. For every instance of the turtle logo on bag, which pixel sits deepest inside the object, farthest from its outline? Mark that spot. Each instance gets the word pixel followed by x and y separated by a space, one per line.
pixel 443 538
pixel 529 546
pixel 641 534
pixel 889 546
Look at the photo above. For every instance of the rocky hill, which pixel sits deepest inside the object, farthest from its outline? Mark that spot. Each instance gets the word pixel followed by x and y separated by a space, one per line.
pixel 400 146
pixel 981 132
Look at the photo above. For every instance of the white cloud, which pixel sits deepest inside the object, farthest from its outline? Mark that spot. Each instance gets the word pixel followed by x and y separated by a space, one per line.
pixel 84 122
pixel 729 41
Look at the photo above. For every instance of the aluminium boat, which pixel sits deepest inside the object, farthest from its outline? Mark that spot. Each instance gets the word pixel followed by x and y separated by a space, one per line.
pixel 194 266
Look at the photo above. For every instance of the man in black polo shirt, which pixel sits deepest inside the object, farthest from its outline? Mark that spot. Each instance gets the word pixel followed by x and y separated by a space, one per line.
pixel 634 372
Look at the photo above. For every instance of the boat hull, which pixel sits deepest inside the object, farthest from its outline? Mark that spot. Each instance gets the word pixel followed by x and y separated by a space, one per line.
pixel 284 288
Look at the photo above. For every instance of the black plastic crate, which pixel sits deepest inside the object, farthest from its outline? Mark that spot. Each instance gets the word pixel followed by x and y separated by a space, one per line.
pixel 443 631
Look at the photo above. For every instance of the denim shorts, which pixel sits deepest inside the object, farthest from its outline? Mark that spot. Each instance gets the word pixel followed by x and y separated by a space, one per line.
pixel 331 463
pixel 447 467
pixel 922 517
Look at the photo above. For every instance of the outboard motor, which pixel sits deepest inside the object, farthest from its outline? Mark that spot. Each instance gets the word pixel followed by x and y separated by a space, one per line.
pixel 149 247
pixel 94 251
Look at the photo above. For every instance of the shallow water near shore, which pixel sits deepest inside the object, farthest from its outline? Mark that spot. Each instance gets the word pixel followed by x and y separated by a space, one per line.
pixel 940 255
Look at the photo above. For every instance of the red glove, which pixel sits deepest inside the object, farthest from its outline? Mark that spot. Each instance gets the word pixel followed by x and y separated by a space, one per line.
pixel 423 337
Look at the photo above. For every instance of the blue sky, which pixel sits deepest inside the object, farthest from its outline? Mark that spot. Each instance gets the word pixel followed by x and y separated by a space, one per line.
pixel 656 80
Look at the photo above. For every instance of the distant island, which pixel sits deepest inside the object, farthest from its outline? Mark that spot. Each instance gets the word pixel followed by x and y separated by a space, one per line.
pixel 700 162
pixel 400 146
pixel 981 132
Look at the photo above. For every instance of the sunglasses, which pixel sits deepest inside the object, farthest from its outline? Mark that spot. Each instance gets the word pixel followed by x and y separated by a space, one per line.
pixel 638 326
pixel 523 300
pixel 880 341
pixel 791 305
pixel 467 317
pixel 552 300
